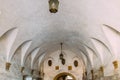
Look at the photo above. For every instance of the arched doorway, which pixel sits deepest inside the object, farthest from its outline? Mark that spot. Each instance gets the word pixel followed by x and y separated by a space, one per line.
pixel 64 76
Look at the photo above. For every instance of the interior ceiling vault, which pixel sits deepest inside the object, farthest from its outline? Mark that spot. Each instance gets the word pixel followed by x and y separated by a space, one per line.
pixel 75 23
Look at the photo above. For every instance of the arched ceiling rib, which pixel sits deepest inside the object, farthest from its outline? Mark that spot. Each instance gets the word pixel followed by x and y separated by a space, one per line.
pixel 9 38
pixel 33 55
pixel 113 36
pixel 102 50
pixel 75 50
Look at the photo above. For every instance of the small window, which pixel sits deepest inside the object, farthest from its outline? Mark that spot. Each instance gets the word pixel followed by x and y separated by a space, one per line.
pixel 76 63
pixel 49 62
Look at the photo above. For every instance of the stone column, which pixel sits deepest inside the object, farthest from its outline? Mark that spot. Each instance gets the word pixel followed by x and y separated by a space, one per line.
pixel 32 71
pixel 92 74
pixel 86 75
pixel 116 74
pixel 22 69
pixel 8 66
pixel 83 78
pixel 101 71
pixel 41 75
pixel 115 64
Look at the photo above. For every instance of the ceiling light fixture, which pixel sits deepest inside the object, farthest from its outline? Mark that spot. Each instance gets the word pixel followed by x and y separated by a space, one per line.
pixel 53 6
pixel 61 56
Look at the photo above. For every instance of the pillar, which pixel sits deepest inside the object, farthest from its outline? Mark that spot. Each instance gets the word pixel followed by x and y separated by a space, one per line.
pixel 8 66
pixel 85 75
pixel 39 73
pixel 83 78
pixel 92 74
pixel 32 71
pixel 101 71
pixel 116 73
pixel 22 69
pixel 115 64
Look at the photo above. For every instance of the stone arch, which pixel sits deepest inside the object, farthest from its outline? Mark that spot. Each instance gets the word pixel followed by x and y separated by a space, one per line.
pixel 33 54
pixel 111 32
pixel 102 47
pixel 64 73
pixel 24 48
pixel 9 37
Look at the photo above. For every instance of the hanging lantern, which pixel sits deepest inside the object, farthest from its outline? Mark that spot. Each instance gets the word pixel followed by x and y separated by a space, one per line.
pixel 61 56
pixel 63 61
pixel 53 6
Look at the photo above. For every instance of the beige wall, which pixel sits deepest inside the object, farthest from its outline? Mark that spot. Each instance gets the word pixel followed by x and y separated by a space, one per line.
pixel 51 72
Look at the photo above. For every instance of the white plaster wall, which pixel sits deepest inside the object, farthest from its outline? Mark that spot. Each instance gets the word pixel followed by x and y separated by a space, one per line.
pixel 50 71
pixel 74 23
pixel 13 73
pixel 15 70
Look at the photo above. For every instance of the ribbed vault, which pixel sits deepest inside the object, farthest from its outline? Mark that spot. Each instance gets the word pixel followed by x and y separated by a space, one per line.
pixel 82 25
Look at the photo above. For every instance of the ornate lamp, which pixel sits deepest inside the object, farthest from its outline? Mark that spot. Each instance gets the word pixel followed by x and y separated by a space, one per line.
pixel 63 61
pixel 53 6
pixel 61 56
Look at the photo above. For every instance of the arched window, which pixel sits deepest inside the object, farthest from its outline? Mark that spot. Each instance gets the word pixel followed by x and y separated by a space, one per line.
pixel 76 63
pixel 49 62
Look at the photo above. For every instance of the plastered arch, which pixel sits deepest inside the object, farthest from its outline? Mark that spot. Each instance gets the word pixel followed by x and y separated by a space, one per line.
pixel 64 73
pixel 9 38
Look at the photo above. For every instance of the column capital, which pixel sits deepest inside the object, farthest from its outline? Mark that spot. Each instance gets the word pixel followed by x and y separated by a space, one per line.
pixel 115 63
pixel 102 69
pixel 32 71
pixel 8 66
pixel 22 69
pixel 92 71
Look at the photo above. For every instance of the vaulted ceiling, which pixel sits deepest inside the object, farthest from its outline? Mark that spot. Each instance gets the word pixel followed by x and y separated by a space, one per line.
pixel 82 26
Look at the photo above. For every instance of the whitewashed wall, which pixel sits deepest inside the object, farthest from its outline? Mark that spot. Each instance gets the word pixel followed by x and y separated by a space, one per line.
pixel 51 72
pixel 14 72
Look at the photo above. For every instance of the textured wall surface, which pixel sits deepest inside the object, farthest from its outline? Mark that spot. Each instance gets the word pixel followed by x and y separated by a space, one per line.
pixel 12 74
pixel 15 70
pixel 51 72
pixel 79 23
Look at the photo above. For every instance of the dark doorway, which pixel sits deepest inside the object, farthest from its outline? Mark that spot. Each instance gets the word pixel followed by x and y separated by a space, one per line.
pixel 64 76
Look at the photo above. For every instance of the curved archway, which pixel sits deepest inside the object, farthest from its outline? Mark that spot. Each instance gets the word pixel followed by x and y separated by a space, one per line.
pixel 64 76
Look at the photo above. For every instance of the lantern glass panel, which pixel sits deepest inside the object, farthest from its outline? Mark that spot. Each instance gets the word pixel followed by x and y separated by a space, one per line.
pixel 53 6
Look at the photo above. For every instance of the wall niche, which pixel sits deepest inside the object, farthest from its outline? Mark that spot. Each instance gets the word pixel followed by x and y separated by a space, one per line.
pixel 49 62
pixel 76 63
